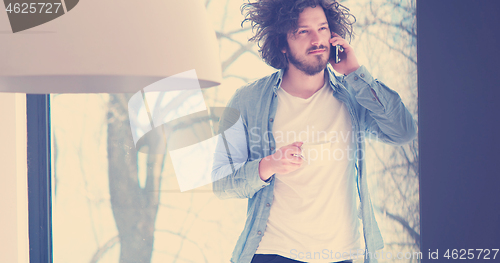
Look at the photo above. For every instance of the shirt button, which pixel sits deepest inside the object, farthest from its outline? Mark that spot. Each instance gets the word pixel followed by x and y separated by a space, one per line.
pixel 355 77
pixel 272 148
pixel 362 75
pixel 271 119
pixel 268 204
pixel 263 186
pixel 259 233
pixel 374 99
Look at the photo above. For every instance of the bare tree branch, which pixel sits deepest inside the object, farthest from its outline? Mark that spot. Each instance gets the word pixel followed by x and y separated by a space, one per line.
pixel 402 221
pixel 396 183
pixel 236 55
pixel 184 237
pixel 399 26
pixel 410 58
pixel 104 248
pixel 243 29
pixel 238 77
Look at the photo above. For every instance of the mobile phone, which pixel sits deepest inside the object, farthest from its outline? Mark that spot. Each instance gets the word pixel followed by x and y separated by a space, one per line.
pixel 334 53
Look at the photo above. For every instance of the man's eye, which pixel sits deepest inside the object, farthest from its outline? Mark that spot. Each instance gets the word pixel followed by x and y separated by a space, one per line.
pixel 302 31
pixel 323 28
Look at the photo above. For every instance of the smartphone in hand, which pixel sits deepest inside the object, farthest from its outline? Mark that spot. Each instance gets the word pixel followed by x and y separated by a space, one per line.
pixel 334 53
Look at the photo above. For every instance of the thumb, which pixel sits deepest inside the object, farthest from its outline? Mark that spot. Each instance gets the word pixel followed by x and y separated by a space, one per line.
pixel 298 144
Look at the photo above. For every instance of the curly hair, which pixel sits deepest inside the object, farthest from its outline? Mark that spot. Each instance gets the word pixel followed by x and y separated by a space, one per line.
pixel 272 20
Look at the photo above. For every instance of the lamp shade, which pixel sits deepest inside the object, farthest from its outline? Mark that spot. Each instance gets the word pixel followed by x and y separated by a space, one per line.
pixel 110 47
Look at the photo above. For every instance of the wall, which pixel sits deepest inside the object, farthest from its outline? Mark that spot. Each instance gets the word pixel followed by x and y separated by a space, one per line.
pixel 13 187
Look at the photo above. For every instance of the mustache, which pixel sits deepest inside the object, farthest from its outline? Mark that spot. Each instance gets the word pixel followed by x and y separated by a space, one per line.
pixel 316 48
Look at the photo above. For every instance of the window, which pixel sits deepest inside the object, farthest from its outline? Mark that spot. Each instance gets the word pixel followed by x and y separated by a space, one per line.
pixel 89 186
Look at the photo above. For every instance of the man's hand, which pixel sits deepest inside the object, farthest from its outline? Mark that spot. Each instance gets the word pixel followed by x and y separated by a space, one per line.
pixel 285 160
pixel 348 62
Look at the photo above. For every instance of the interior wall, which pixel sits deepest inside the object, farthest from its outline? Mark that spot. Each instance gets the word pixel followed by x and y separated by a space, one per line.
pixel 13 186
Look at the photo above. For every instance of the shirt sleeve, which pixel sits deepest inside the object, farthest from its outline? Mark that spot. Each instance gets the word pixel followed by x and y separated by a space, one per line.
pixel 385 116
pixel 233 175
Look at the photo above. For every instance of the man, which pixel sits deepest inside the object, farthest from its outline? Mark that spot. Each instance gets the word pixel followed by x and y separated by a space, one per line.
pixel 296 147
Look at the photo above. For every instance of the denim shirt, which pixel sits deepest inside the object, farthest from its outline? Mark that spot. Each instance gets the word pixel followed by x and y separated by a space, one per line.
pixel 375 110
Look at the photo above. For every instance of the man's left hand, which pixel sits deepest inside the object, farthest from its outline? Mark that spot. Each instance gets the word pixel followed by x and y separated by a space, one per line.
pixel 348 62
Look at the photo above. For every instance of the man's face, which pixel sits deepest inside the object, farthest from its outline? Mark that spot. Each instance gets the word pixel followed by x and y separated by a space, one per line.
pixel 308 49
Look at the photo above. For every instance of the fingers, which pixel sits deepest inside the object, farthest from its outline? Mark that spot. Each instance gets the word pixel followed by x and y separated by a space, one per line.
pixel 288 168
pixel 336 36
pixel 341 42
pixel 295 160
pixel 292 149
pixel 292 153
pixel 338 41
pixel 295 166
pixel 289 157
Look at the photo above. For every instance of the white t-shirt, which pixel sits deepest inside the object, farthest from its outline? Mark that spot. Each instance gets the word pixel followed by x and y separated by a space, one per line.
pixel 313 217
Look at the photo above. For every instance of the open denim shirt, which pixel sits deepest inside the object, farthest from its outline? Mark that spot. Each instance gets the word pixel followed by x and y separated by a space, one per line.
pixel 375 110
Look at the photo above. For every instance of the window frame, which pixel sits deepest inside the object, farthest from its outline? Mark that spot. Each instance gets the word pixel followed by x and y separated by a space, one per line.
pixel 39 182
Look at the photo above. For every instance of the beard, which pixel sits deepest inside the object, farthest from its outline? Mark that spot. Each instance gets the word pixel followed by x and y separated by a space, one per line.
pixel 311 68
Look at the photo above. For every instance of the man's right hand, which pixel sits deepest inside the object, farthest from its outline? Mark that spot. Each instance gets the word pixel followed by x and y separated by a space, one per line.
pixel 285 160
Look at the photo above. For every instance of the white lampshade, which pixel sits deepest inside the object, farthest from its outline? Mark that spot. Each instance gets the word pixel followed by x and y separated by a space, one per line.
pixel 110 47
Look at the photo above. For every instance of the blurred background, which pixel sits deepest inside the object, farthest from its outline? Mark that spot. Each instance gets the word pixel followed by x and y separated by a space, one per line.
pixel 103 188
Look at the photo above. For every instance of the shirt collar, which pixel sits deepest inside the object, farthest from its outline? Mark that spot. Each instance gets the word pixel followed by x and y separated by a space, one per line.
pixel 333 79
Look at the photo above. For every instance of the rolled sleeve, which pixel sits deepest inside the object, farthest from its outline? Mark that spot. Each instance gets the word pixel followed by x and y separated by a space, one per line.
pixel 255 183
pixel 387 117
pixel 233 175
pixel 366 86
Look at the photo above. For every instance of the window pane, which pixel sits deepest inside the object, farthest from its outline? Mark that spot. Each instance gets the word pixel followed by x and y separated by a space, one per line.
pixel 103 188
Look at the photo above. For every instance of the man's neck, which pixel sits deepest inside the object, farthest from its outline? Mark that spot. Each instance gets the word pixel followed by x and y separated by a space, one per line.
pixel 302 85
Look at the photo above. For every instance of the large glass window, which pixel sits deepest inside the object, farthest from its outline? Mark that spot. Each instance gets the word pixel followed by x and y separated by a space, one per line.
pixel 111 203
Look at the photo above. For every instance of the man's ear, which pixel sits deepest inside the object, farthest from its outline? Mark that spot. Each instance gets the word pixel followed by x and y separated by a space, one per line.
pixel 283 42
pixel 284 48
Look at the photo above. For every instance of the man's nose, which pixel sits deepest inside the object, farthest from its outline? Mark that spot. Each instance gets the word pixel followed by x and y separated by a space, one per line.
pixel 315 38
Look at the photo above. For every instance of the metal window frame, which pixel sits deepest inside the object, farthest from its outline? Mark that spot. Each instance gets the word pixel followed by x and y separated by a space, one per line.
pixel 39 182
